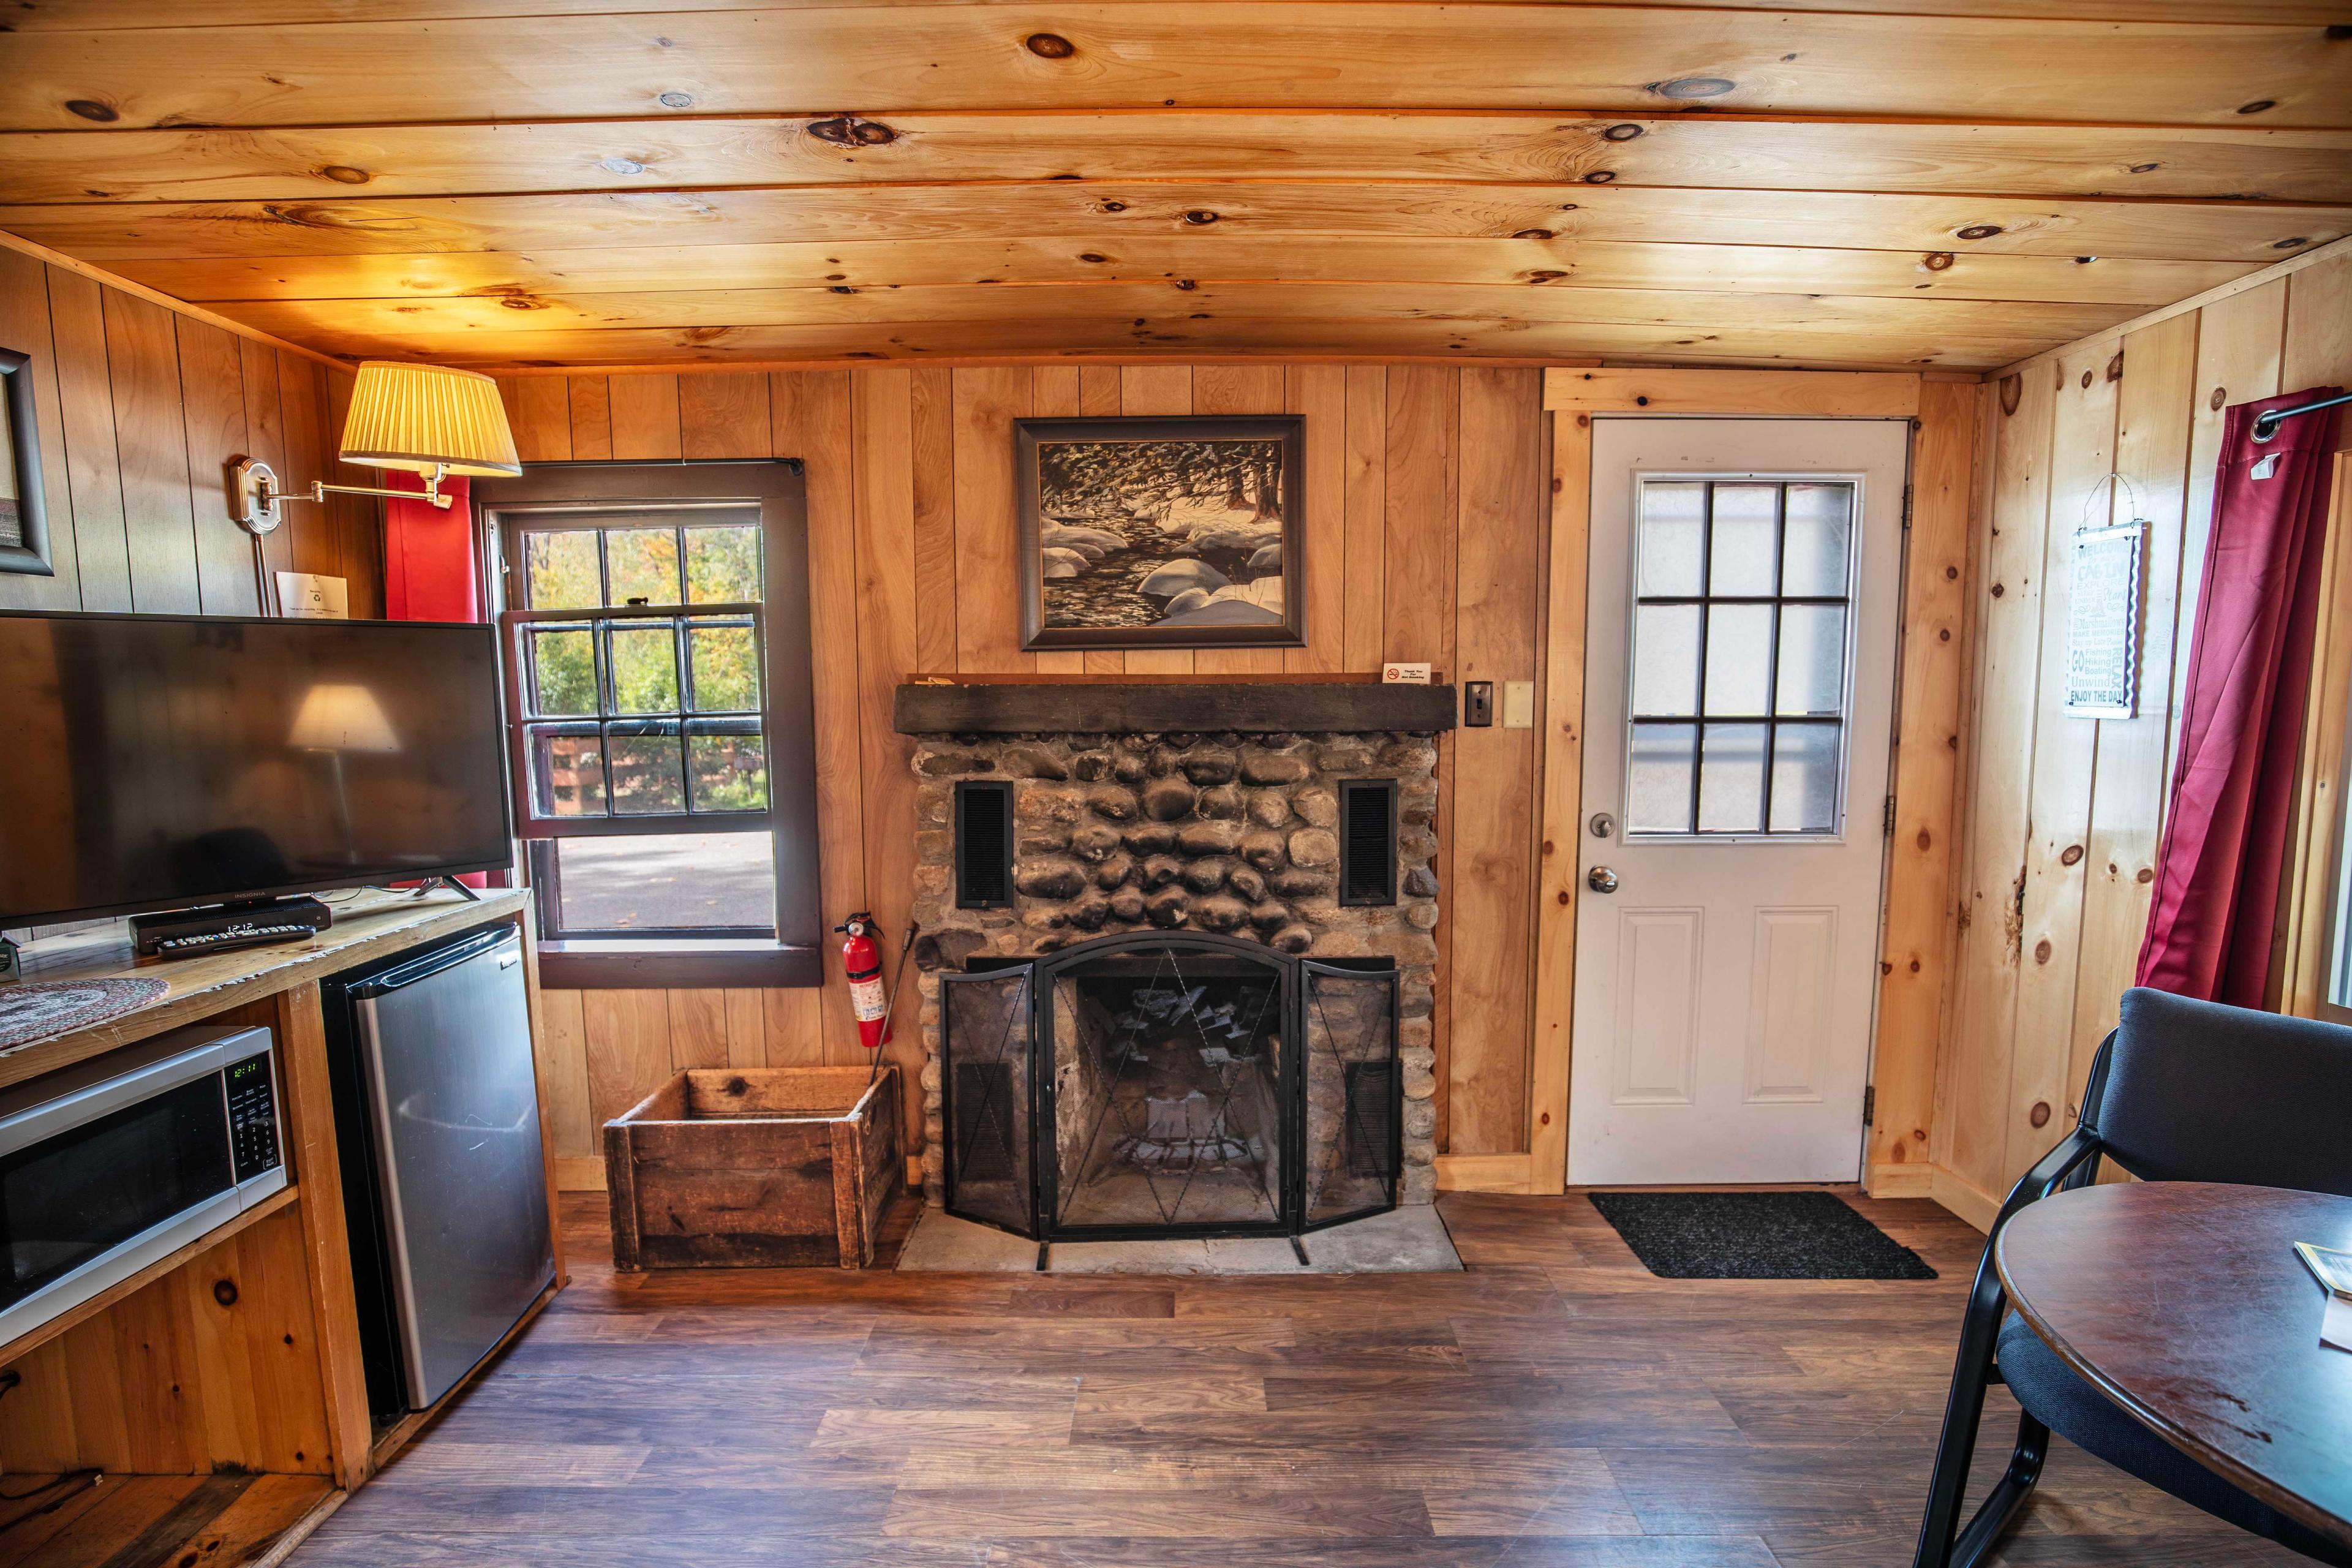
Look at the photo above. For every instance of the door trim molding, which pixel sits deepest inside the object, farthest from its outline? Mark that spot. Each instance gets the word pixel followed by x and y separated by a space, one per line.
pixel 1916 921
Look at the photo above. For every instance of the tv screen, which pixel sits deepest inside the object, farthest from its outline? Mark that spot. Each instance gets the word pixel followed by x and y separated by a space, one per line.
pixel 153 762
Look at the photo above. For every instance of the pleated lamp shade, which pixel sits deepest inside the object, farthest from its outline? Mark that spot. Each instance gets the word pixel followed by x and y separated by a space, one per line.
pixel 416 415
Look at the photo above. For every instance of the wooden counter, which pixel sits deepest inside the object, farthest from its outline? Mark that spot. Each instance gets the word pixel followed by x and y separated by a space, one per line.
pixel 240 1354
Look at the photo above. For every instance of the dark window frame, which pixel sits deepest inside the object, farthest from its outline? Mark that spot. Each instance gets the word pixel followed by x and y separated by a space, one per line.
pixel 788 955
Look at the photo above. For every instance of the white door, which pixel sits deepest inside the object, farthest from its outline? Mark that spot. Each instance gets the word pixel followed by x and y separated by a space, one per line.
pixel 1740 687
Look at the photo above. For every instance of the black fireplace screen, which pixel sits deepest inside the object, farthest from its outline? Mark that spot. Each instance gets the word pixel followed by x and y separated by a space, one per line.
pixel 1181 1085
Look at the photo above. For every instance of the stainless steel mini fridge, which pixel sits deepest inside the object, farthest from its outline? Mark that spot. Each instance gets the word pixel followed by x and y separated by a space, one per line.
pixel 437 1114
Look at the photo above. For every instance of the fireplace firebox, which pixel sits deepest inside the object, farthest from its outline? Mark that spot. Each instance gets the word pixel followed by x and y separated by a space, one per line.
pixel 1169 1084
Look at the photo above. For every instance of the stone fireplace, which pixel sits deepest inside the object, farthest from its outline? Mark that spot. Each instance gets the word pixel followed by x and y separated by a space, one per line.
pixel 1172 1023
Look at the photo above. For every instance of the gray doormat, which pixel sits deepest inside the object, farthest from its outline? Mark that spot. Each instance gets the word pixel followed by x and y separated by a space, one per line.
pixel 1408 1240
pixel 1755 1236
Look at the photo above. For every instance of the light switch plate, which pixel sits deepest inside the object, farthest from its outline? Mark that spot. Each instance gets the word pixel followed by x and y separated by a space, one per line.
pixel 1518 705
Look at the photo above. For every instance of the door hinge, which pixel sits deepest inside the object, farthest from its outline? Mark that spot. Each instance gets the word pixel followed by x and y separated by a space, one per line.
pixel 1907 506
pixel 1887 830
pixel 1870 1105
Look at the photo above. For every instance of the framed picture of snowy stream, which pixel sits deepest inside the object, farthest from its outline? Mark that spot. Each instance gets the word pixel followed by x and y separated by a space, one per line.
pixel 1180 532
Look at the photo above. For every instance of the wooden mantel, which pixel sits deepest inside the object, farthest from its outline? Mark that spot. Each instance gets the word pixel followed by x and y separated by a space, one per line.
pixel 989 705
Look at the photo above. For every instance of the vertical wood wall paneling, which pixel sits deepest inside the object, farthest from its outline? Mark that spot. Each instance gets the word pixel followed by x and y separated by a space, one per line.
pixel 212 397
pixel 139 410
pixel 1239 389
pixel 883 411
pixel 932 433
pixel 539 413
pixel 645 414
pixel 912 531
pixel 1499 570
pixel 811 419
pixel 589 400
pixel 25 326
pixel 265 438
pixel 151 442
pixel 1145 390
pixel 1971 1123
pixel 1913 969
pixel 2066 753
pixel 1419 486
pixel 86 415
pixel 2128 804
pixel 984 404
pixel 725 415
pixel 1319 393
pixel 2104 787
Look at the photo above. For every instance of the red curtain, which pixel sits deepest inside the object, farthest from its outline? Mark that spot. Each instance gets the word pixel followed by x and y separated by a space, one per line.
pixel 430 569
pixel 2218 869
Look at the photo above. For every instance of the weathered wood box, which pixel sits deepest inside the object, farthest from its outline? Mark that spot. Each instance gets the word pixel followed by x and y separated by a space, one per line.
pixel 754 1168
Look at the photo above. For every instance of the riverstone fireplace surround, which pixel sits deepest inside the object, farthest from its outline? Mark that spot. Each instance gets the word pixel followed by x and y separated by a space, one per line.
pixel 1207 815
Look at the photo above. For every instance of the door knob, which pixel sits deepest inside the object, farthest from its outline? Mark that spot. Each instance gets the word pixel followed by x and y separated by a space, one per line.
pixel 1601 880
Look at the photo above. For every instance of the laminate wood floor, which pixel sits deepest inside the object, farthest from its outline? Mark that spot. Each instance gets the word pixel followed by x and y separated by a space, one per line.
pixel 1555 1406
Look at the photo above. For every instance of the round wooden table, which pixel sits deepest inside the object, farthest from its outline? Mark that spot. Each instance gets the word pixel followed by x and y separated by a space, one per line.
pixel 2184 1303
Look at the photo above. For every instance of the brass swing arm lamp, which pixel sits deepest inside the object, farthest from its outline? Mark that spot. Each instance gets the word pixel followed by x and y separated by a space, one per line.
pixel 418 417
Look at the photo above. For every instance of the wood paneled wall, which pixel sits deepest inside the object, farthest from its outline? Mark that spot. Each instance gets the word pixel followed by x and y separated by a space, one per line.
pixel 1426 518
pixel 2063 813
pixel 139 408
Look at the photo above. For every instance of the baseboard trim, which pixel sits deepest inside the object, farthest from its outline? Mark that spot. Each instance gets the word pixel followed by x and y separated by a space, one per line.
pixel 1483 1172
pixel 1912 1179
pixel 1979 1209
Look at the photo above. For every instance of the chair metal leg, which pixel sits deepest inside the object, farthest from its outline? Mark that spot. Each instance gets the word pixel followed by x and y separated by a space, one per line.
pixel 1948 1484
pixel 1992 1519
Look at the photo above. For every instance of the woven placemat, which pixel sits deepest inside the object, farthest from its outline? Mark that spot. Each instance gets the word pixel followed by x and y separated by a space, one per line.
pixel 34 1010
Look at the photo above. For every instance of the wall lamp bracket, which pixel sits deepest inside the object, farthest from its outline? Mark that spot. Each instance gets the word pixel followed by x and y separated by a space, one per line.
pixel 255 495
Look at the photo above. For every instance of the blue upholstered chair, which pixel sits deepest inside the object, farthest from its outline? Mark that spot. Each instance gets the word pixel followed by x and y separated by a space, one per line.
pixel 2181 1091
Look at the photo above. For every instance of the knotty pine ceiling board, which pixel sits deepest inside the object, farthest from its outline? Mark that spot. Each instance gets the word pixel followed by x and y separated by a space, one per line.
pixel 1851 182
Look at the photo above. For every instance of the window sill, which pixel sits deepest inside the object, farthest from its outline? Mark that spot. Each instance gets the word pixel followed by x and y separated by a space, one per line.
pixel 603 965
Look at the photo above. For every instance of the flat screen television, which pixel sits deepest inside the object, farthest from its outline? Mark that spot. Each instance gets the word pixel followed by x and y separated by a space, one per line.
pixel 157 761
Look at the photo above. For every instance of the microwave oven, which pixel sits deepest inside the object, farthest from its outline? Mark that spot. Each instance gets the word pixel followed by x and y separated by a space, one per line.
pixel 106 1166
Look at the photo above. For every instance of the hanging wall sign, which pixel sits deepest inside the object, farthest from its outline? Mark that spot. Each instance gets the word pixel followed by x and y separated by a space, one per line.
pixel 2103 622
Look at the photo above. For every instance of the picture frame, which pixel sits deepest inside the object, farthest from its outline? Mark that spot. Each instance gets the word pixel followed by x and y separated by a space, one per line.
pixel 1186 532
pixel 24 511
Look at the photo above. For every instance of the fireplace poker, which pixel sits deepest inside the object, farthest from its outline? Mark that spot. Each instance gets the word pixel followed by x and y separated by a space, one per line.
pixel 890 1003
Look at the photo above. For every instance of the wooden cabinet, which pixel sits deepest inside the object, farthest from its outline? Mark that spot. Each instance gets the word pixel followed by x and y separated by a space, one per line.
pixel 227 1375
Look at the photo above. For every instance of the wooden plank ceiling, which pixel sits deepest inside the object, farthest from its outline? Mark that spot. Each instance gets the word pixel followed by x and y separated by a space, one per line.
pixel 1845 183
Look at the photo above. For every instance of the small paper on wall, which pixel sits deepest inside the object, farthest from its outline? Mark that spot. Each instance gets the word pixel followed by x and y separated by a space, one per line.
pixel 2103 622
pixel 310 597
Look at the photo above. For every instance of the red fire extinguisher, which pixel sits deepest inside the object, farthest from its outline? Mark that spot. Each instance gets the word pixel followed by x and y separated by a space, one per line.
pixel 862 956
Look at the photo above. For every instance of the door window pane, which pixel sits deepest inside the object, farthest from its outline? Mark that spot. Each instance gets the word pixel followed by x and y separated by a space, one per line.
pixel 1739 658
pixel 1746 540
pixel 1731 779
pixel 1742 618
pixel 1673 538
pixel 1666 659
pixel 1812 676
pixel 1658 793
pixel 669 881
pixel 1804 778
pixel 1820 528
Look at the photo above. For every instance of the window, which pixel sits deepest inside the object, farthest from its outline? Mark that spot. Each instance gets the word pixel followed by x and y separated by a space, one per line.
pixel 656 651
pixel 1742 615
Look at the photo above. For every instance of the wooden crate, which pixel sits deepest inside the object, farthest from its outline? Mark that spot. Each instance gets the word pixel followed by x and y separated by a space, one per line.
pixel 754 1168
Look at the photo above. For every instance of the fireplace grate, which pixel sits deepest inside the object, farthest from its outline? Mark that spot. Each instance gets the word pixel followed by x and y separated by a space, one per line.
pixel 983 1101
